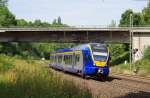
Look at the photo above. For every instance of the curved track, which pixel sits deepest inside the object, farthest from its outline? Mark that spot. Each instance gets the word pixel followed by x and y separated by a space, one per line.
pixel 113 87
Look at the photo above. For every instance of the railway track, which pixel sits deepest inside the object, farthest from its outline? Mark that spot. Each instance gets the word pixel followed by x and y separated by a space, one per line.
pixel 116 86
pixel 134 78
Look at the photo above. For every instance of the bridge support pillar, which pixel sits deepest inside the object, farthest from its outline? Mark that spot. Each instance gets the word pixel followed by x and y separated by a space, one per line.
pixel 140 42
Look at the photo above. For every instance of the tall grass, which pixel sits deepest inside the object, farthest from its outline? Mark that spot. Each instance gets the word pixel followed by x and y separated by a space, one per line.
pixel 27 79
pixel 6 63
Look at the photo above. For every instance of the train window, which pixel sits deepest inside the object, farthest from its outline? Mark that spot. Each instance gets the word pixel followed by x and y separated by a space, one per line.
pixel 65 59
pixel 100 58
pixel 55 60
pixel 68 59
pixel 52 59
pixel 60 59
pixel 77 59
pixel 98 47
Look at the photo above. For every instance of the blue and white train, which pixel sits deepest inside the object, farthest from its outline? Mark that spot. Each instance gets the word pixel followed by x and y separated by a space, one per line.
pixel 86 60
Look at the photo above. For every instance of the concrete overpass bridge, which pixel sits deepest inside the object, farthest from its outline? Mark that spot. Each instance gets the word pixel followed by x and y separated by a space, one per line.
pixel 139 37
pixel 65 34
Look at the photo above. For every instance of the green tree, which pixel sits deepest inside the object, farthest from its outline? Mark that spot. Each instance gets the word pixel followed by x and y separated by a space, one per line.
pixel 22 22
pixel 3 3
pixel 37 23
pixel 146 15
pixel 30 23
pixel 137 19
pixel 6 17
pixel 113 24
pixel 59 20
pixel 54 22
pixel 125 18
pixel 46 24
pixel 58 23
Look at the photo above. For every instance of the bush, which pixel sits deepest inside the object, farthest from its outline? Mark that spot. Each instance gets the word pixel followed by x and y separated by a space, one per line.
pixel 147 54
pixel 141 67
pixel 31 50
pixel 120 59
pixel 5 64
pixel 119 53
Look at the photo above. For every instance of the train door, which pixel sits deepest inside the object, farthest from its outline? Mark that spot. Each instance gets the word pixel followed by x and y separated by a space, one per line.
pixel 60 59
pixel 52 57
pixel 68 60
pixel 54 60
pixel 78 57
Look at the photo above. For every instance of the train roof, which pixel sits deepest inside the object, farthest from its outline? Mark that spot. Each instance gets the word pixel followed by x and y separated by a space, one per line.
pixel 79 47
pixel 64 50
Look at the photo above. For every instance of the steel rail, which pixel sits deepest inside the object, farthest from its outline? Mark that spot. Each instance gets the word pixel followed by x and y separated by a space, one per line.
pixel 134 78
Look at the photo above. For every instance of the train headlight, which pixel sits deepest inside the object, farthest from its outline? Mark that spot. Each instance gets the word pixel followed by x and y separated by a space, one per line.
pixel 100 71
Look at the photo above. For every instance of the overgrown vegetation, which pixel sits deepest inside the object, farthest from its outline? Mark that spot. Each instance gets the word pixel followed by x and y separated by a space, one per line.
pixel 5 64
pixel 28 79
pixel 31 50
pixel 141 67
pixel 119 53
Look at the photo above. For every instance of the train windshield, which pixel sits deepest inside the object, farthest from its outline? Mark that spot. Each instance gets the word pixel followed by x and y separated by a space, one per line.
pixel 99 48
pixel 100 58
pixel 99 51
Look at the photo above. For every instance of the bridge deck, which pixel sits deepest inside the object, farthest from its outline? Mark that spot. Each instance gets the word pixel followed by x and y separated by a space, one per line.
pixel 69 34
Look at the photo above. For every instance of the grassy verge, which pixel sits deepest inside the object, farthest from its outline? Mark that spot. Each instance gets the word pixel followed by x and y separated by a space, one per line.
pixel 121 68
pixel 141 68
pixel 27 79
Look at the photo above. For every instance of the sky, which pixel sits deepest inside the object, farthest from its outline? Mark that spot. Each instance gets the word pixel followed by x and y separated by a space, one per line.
pixel 75 12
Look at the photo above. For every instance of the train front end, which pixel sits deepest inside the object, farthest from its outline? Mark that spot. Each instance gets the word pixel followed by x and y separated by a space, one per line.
pixel 99 60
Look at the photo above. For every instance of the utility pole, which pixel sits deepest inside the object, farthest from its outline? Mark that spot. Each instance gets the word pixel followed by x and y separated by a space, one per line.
pixel 131 35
